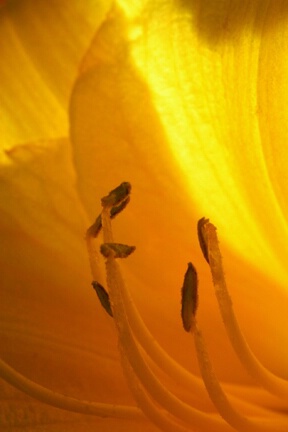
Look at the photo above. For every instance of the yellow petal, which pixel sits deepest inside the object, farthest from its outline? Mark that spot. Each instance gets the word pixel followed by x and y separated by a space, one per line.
pixel 151 95
pixel 52 328
pixel 42 44
pixel 163 103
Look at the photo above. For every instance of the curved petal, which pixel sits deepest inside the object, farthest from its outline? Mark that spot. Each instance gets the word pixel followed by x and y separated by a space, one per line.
pixel 41 46
pixel 155 105
pixel 133 102
pixel 50 317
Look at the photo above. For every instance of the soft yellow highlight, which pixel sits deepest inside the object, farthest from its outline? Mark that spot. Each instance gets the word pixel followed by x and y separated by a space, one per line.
pixel 188 101
pixel 204 82
pixel 36 76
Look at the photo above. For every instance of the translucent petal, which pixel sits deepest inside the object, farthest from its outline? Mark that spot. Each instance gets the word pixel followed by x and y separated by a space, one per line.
pixel 41 46
pixel 52 328
pixel 164 102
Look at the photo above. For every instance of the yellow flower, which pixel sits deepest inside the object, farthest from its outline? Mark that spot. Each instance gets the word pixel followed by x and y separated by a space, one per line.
pixel 187 101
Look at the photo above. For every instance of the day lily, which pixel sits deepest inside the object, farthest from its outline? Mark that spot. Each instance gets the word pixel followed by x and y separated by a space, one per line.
pixel 186 100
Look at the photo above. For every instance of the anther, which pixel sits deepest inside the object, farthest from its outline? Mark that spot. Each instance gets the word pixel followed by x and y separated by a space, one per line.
pixel 202 237
pixel 118 250
pixel 117 195
pixel 189 298
pixel 103 296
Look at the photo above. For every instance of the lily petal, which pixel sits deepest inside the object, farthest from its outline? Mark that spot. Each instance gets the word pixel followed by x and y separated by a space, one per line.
pixel 47 302
pixel 41 47
pixel 156 104
pixel 151 105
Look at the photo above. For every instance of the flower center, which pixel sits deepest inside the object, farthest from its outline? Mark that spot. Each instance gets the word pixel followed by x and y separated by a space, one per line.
pixel 136 341
pixel 139 350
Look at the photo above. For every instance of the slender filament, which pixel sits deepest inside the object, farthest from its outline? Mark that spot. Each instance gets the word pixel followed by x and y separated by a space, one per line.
pixel 263 376
pixel 67 403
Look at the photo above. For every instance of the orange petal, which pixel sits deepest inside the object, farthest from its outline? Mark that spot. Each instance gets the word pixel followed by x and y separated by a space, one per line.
pixel 156 105
pixel 42 44
pixel 52 328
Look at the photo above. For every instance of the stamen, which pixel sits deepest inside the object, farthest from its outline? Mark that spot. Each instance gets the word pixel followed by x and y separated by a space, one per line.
pixel 161 406
pixel 58 400
pixel 142 333
pixel 130 351
pixel 264 377
pixel 156 352
pixel 126 339
pixel 128 346
pixel 168 364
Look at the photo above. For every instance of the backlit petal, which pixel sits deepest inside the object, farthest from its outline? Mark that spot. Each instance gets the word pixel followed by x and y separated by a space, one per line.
pixel 168 99
pixel 41 46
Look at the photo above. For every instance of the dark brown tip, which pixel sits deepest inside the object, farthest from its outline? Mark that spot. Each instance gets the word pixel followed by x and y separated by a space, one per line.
pixel 117 195
pixel 189 297
pixel 202 237
pixel 103 296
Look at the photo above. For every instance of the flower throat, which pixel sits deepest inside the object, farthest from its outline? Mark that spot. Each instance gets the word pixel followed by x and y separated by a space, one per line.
pixel 139 351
